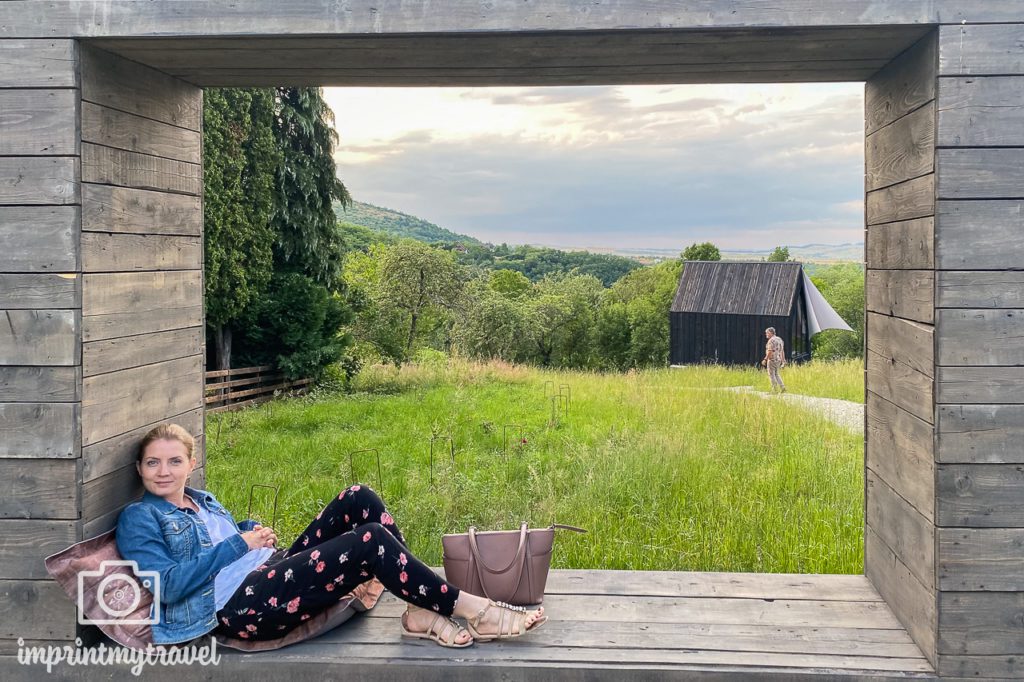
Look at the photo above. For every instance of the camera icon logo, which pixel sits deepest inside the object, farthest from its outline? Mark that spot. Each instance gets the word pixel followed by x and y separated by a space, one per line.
pixel 116 588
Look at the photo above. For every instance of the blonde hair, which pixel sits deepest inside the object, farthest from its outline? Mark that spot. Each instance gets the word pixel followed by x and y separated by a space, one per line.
pixel 167 432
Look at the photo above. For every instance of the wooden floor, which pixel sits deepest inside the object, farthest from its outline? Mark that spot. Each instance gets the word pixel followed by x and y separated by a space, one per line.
pixel 621 625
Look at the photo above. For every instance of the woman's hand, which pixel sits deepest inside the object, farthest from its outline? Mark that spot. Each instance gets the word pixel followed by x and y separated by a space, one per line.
pixel 260 537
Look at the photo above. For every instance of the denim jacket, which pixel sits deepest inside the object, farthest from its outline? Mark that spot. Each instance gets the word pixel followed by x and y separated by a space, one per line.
pixel 175 543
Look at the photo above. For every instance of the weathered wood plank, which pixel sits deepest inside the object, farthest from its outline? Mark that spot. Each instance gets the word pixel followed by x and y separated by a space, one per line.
pixel 721 610
pixel 903 340
pixel 901 385
pixel 38 292
pixel 980 495
pixel 39 238
pixel 117 402
pixel 973 50
pixel 903 293
pixel 110 492
pixel 902 528
pixel 120 304
pixel 981 434
pixel 47 384
pixel 979 173
pixel 113 128
pixel 905 201
pixel 957 289
pixel 118 83
pixel 39 430
pixel 902 150
pixel 980 337
pixel 906 245
pixel 39 180
pixel 652 636
pixel 106 456
pixel 36 609
pixel 99 357
pixel 110 252
pixel 64 17
pixel 979 235
pixel 45 63
pixel 980 623
pixel 905 84
pixel 963 668
pixel 898 449
pixel 24 543
pixel 38 122
pixel 980 385
pixel 38 337
pixel 710 584
pixel 106 208
pixel 981 559
pixel 38 489
pixel 911 602
pixel 108 166
pixel 981 112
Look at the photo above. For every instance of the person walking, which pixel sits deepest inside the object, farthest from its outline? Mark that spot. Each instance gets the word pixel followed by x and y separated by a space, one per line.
pixel 774 359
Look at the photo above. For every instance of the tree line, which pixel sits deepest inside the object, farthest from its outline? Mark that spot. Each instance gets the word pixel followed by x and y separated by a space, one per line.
pixel 287 285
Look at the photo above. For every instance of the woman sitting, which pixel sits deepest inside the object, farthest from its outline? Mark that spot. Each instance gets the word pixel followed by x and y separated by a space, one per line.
pixel 216 575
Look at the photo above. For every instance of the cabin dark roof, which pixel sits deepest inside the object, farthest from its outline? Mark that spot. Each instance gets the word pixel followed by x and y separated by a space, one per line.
pixel 760 288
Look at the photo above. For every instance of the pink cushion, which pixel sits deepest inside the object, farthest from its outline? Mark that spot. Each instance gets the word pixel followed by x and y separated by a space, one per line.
pixel 89 558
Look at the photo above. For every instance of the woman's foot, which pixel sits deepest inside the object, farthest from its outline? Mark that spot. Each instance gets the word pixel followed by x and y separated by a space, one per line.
pixel 498 620
pixel 425 623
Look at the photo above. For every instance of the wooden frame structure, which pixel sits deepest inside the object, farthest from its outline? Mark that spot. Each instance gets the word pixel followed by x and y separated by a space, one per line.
pixel 101 317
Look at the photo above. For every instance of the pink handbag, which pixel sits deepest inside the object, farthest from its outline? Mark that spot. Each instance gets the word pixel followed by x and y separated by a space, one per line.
pixel 503 565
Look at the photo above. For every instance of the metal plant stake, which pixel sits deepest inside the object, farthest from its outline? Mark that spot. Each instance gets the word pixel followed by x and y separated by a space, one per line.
pixel 504 436
pixel 352 471
pixel 252 489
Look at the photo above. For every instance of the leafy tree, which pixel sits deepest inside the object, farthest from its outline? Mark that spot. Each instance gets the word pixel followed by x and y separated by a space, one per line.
pixel 612 340
pixel 509 283
pixel 241 159
pixel 779 255
pixel 702 251
pixel 842 286
pixel 492 324
pixel 561 315
pixel 306 187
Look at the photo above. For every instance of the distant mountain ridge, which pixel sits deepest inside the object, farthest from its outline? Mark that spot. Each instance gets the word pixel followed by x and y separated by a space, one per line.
pixel 398 224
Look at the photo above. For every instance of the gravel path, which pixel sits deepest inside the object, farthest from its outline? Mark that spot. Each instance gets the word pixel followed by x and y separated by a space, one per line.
pixel 842 412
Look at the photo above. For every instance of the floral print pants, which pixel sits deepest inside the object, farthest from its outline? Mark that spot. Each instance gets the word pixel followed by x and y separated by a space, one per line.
pixel 351 540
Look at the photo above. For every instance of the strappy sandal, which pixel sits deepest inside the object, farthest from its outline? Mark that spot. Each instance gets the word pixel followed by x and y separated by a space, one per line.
pixel 436 635
pixel 514 626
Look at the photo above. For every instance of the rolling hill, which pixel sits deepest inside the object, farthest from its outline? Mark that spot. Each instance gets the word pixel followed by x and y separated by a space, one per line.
pixel 398 224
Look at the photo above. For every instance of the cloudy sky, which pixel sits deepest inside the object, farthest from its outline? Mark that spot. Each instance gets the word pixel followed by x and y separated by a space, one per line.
pixel 745 166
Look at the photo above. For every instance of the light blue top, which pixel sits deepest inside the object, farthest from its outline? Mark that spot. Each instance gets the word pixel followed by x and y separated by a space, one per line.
pixel 231 576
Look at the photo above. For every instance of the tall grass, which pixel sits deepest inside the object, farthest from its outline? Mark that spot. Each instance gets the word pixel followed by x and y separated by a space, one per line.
pixel 665 470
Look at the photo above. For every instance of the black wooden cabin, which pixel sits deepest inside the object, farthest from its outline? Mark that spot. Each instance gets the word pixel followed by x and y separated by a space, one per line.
pixel 721 310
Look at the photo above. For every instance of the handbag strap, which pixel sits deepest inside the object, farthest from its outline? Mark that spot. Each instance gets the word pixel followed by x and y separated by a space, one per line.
pixel 518 561
pixel 572 528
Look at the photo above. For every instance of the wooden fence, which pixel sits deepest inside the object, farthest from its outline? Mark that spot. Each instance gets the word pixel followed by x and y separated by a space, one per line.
pixel 233 389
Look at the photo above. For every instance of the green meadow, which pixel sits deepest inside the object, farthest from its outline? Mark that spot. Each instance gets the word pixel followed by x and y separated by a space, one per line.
pixel 667 469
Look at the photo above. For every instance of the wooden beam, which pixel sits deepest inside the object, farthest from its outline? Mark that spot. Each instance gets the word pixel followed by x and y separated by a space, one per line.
pixel 112 252
pixel 902 293
pixel 980 337
pixel 38 122
pixel 38 291
pixel 980 623
pixel 898 449
pixel 983 434
pixel 121 304
pixel 905 201
pixel 39 430
pixel 905 245
pixel 980 495
pixel 107 166
pixel 120 130
pixel 39 238
pixel 24 543
pixel 972 50
pixel 979 235
pixel 903 529
pixel 39 489
pixel 45 63
pixel 46 384
pixel 980 384
pixel 106 456
pixel 904 85
pixel 980 559
pixel 901 385
pixel 905 341
pixel 36 609
pixel 902 150
pixel 110 355
pixel 28 180
pixel 980 173
pixel 981 112
pixel 39 337
pixel 999 289
pixel 106 208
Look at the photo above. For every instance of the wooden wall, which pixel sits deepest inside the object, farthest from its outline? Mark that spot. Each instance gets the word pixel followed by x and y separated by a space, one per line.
pixel 40 326
pixel 142 279
pixel 979 346
pixel 899 151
